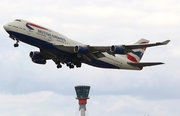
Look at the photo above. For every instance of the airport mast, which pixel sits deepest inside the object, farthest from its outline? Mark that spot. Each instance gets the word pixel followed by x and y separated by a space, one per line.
pixel 82 93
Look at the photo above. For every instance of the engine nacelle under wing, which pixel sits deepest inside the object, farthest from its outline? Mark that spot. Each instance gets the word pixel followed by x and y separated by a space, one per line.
pixel 37 57
pixel 117 49
pixel 80 50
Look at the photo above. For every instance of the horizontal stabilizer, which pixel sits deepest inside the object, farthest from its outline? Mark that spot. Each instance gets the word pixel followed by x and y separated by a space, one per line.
pixel 143 64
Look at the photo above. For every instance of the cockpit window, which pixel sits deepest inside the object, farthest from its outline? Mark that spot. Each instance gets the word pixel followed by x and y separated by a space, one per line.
pixel 18 20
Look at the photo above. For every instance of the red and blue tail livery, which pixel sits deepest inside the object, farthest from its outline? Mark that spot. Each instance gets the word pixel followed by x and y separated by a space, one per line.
pixel 136 54
pixel 62 50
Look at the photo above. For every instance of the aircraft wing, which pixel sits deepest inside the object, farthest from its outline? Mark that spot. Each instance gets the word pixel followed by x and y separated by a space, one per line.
pixel 93 49
pixel 144 64
pixel 126 48
pixel 145 45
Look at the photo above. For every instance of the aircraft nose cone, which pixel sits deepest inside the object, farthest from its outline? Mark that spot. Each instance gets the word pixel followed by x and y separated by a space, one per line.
pixel 5 26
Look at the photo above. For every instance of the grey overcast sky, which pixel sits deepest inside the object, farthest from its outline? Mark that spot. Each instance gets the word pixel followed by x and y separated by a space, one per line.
pixel 28 89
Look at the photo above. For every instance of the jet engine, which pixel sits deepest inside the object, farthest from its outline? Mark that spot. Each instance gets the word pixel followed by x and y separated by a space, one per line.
pixel 117 49
pixel 37 57
pixel 80 50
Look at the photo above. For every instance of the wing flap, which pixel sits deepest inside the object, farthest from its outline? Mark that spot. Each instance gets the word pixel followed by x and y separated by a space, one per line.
pixel 67 48
pixel 144 64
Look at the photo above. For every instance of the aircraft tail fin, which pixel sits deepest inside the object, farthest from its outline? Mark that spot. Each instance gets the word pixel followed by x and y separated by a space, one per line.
pixel 136 54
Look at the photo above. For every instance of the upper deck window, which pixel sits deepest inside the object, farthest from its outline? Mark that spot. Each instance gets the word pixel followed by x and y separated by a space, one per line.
pixel 18 20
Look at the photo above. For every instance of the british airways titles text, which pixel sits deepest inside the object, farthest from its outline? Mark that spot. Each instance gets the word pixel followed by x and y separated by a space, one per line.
pixel 51 35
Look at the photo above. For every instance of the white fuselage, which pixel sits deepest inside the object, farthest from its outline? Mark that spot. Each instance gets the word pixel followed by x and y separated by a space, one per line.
pixel 43 37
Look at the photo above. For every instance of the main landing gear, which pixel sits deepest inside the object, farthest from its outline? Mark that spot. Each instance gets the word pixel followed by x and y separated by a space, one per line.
pixel 58 64
pixel 70 65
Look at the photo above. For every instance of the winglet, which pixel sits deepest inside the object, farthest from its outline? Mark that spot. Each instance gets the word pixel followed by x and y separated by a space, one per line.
pixel 165 42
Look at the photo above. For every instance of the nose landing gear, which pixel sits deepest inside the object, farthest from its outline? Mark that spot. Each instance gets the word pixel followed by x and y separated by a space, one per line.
pixel 16 44
pixel 14 38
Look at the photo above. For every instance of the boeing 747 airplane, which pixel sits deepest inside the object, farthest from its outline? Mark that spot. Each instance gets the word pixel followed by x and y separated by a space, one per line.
pixel 62 50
